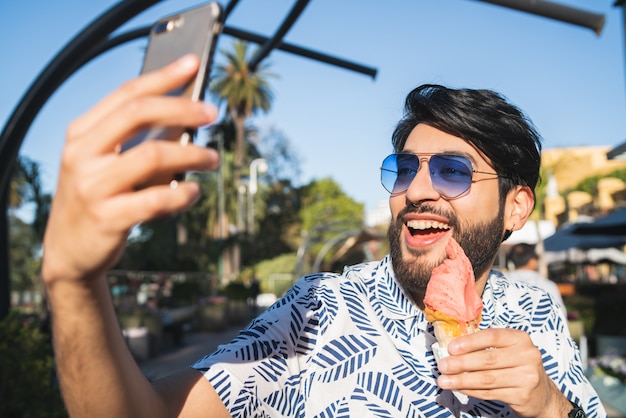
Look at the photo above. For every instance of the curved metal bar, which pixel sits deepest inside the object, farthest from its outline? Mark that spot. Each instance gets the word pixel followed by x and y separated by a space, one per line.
pixel 116 41
pixel 68 61
pixel 64 64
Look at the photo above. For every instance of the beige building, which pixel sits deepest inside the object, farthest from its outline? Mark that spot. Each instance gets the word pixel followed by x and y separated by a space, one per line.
pixel 565 168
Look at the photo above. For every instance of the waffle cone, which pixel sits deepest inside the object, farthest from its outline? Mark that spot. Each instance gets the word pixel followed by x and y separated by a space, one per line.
pixel 447 327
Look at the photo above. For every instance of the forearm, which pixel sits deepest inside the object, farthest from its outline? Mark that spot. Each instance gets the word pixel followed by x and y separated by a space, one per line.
pixel 98 375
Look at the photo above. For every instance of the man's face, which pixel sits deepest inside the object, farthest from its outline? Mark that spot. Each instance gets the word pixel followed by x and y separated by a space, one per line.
pixel 423 221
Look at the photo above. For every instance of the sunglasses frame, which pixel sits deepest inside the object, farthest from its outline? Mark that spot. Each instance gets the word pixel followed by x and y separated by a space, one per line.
pixel 426 156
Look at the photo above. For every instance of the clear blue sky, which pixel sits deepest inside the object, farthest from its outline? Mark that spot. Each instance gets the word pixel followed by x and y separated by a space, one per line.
pixel 570 81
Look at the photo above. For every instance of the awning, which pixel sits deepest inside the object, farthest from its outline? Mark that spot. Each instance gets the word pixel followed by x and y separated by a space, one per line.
pixel 612 224
pixel 567 237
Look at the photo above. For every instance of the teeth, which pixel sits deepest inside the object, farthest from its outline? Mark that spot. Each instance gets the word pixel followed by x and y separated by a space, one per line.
pixel 415 224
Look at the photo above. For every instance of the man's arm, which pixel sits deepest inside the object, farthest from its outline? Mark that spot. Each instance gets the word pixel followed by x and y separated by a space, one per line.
pixel 98 375
pixel 95 206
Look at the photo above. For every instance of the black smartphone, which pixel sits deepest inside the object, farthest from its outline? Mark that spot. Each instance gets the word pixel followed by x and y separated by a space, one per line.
pixel 193 31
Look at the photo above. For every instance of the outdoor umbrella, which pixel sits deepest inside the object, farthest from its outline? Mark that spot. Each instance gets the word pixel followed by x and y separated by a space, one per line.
pixel 612 224
pixel 568 237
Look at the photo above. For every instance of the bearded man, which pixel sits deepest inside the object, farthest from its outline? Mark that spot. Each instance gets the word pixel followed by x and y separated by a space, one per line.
pixel 355 344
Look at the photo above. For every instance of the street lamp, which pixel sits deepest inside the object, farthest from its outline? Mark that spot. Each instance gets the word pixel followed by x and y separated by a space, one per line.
pixel 257 166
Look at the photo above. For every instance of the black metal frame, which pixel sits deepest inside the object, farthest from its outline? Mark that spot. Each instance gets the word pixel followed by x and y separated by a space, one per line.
pixel 94 40
pixel 567 14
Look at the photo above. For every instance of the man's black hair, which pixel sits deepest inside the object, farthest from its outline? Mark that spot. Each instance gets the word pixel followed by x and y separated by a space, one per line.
pixel 485 119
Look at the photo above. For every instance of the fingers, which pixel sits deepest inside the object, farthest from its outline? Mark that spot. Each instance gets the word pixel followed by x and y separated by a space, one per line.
pixel 490 349
pixel 491 369
pixel 134 115
pixel 496 364
pixel 155 202
pixel 155 83
pixel 139 104
pixel 487 338
pixel 97 200
pixel 119 173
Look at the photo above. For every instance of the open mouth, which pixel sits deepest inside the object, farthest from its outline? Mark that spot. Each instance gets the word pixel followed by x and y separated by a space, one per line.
pixel 423 227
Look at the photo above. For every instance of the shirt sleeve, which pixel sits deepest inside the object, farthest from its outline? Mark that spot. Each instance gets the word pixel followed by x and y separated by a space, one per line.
pixel 263 367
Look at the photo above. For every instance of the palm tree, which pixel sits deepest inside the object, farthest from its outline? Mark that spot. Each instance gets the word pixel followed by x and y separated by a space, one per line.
pixel 224 208
pixel 18 187
pixel 26 187
pixel 245 93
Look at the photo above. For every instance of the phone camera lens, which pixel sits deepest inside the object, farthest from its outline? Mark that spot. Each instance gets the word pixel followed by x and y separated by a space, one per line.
pixel 164 26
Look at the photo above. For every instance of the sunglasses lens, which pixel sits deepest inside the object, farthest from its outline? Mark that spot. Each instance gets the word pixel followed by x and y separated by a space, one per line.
pixel 451 174
pixel 398 171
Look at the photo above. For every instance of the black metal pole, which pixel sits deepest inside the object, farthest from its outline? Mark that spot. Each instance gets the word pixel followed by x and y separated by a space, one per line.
pixel 567 14
pixel 267 47
pixel 64 64
pixel 229 8
pixel 297 50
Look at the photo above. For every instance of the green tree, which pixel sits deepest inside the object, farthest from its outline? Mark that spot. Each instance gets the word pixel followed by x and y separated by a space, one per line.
pixel 245 93
pixel 26 187
pixel 24 255
pixel 153 247
pixel 25 238
pixel 18 187
pixel 282 159
pixel 324 202
pixel 280 226
pixel 222 202
pixel 28 387
pixel 226 132
pixel 590 184
pixel 537 215
pixel 278 201
pixel 327 212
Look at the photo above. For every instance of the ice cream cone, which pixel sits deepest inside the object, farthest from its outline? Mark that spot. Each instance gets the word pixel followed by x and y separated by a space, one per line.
pixel 444 332
pixel 447 327
pixel 451 302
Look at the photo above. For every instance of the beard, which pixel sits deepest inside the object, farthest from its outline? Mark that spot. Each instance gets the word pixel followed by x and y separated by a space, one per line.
pixel 480 241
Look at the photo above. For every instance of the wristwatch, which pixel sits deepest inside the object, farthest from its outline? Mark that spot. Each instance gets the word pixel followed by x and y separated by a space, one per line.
pixel 576 412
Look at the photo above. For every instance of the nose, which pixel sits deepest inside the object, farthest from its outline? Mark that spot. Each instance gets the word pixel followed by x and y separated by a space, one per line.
pixel 421 188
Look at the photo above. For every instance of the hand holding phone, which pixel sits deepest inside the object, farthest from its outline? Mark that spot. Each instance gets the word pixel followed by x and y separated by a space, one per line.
pixel 194 31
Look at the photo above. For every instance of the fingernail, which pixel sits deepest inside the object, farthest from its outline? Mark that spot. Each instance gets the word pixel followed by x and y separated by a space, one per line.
pixel 187 62
pixel 444 381
pixel 442 365
pixel 210 110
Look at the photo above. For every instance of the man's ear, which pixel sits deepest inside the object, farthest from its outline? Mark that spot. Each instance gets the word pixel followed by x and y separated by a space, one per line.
pixel 518 207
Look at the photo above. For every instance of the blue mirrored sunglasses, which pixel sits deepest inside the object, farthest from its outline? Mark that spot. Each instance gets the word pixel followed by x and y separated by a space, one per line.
pixel 451 175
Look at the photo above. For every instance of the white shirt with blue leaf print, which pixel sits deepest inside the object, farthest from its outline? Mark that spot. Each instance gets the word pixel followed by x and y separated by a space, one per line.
pixel 353 345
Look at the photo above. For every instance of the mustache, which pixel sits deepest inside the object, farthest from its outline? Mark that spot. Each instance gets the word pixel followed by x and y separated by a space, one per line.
pixel 428 208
